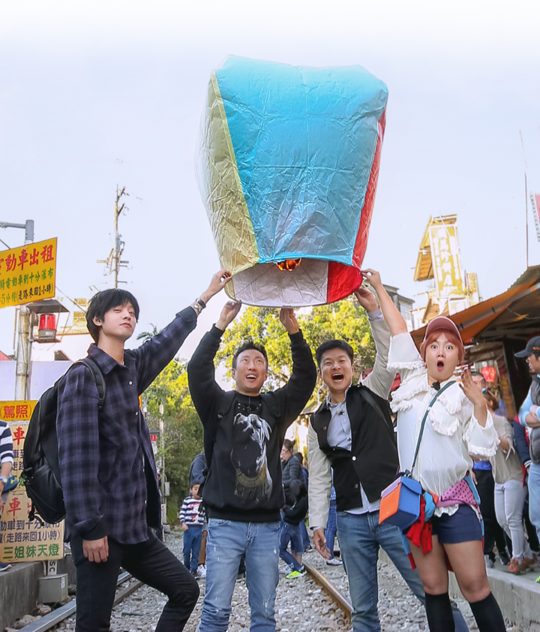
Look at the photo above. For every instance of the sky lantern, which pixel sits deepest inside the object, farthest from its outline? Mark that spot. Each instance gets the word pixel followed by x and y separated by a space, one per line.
pixel 288 171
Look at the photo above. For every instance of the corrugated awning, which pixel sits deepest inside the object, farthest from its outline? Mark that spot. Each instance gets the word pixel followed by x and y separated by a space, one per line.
pixel 473 320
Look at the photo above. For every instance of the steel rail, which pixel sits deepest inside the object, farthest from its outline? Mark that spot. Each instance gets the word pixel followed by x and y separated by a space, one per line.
pixel 330 589
pixel 57 616
pixel 60 614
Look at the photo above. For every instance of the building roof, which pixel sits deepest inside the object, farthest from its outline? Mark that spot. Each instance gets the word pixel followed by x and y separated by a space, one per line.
pixel 424 264
pixel 514 313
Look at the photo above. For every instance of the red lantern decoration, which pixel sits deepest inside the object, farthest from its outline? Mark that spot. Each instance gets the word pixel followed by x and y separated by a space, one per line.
pixel 489 373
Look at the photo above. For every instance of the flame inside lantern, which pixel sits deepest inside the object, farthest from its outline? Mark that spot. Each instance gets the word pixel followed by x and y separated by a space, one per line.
pixel 289 264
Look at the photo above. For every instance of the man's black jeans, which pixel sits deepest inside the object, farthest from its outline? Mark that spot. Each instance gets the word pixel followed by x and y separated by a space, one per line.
pixel 152 563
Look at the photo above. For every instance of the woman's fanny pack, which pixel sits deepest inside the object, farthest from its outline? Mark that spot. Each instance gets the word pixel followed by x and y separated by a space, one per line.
pixel 400 501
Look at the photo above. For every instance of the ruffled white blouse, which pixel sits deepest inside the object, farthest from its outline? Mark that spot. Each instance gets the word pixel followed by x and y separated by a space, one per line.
pixel 452 433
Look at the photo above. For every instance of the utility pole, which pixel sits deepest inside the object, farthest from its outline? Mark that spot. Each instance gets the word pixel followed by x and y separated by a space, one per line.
pixel 24 341
pixel 114 260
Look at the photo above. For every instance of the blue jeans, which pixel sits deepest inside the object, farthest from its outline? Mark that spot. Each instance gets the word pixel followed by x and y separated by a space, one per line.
pixel 305 537
pixel 227 541
pixel 534 496
pixel 192 547
pixel 291 533
pixel 360 537
pixel 331 528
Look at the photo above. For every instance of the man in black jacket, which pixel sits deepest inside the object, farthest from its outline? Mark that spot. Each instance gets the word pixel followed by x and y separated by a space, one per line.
pixel 243 494
pixel 352 433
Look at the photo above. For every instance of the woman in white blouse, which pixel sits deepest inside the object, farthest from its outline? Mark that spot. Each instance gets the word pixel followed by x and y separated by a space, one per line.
pixel 458 425
pixel 510 491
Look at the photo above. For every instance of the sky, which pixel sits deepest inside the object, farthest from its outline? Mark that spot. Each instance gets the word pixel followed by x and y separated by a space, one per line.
pixel 95 95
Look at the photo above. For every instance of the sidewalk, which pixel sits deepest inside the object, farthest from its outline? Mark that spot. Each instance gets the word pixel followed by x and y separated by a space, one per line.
pixel 19 588
pixel 518 595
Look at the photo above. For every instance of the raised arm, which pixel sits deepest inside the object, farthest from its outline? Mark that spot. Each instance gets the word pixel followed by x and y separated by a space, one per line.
pixel 391 314
pixel 205 391
pixel 380 379
pixel 296 393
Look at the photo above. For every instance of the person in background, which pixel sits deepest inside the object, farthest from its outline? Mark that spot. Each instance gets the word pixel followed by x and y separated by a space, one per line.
pixel 331 530
pixel 197 476
pixel 510 491
pixel 191 521
pixel 521 443
pixel 303 529
pixel 485 484
pixel 290 531
pixel 529 417
pixel 6 463
pixel 291 469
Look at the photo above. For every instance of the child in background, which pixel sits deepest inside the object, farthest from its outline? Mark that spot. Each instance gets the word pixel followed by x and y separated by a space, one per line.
pixel 192 522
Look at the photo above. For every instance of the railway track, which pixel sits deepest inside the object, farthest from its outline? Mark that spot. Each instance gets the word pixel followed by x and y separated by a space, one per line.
pixel 51 620
pixel 57 617
pixel 341 600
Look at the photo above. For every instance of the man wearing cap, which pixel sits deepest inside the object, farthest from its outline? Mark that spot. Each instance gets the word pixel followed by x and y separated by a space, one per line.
pixel 529 416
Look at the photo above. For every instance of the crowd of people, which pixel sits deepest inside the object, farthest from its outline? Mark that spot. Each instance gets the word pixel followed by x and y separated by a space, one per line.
pixel 441 427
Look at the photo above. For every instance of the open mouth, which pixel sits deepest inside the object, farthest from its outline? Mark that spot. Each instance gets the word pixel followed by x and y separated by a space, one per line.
pixel 251 377
pixel 440 365
pixel 337 377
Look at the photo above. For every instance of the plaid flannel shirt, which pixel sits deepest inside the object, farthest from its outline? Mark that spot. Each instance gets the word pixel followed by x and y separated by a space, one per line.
pixel 107 466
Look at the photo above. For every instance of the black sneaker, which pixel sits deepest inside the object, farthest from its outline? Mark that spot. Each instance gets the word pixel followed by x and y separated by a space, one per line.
pixel 4 567
pixel 505 559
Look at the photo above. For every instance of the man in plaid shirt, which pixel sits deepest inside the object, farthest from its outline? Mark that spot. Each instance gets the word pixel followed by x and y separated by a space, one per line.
pixel 108 472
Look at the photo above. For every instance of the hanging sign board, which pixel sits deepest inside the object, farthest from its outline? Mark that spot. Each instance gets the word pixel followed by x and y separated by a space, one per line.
pixel 20 539
pixel 28 273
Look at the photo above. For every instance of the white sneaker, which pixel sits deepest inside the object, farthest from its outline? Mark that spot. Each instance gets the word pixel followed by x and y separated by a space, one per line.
pixel 201 571
pixel 489 562
pixel 334 562
pixel 286 570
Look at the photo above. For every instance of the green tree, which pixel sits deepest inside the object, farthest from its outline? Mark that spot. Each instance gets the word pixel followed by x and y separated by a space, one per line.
pixel 343 320
pixel 183 429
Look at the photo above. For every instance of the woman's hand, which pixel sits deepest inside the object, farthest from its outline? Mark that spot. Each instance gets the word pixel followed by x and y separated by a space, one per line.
pixel 372 277
pixel 473 393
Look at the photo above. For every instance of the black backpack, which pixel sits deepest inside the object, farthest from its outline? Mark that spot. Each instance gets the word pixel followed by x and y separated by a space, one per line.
pixel 41 471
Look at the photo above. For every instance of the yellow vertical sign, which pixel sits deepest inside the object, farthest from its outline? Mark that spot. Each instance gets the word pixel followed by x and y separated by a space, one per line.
pixel 20 539
pixel 28 273
pixel 445 258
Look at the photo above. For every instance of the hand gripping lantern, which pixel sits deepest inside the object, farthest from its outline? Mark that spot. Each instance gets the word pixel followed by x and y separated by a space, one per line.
pixel 288 168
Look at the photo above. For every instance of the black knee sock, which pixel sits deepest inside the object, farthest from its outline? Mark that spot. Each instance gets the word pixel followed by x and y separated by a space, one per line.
pixel 439 613
pixel 488 615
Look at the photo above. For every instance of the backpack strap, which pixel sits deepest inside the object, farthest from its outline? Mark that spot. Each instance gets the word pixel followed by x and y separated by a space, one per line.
pixel 270 400
pixel 430 406
pixel 99 379
pixel 225 404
